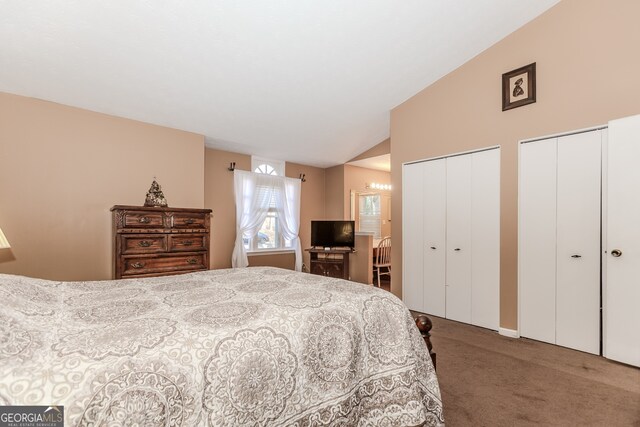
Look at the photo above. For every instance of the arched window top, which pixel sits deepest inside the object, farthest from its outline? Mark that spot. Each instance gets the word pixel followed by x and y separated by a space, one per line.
pixel 266 169
pixel 267 166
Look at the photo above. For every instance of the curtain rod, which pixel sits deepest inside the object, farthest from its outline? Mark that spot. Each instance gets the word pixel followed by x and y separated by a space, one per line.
pixel 232 167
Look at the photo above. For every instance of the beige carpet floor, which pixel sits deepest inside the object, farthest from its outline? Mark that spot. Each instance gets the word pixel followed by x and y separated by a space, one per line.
pixel 490 380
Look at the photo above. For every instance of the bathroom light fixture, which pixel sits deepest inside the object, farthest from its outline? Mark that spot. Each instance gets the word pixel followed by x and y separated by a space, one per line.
pixel 376 186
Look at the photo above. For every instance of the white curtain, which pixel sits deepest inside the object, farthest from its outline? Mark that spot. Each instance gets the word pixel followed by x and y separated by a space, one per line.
pixel 288 206
pixel 254 193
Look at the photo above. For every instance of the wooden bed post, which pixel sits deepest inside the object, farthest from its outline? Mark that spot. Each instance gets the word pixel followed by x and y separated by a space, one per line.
pixel 424 326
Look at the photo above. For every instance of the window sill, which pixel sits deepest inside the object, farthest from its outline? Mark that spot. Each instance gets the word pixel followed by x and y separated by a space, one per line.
pixel 259 252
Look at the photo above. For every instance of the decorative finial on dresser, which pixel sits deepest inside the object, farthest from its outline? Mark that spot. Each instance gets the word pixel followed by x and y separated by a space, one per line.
pixel 155 196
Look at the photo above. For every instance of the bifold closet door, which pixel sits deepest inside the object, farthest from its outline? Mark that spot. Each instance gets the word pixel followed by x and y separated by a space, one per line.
pixel 451 237
pixel 622 285
pixel 485 239
pixel 559 240
pixel 458 268
pixel 412 236
pixel 434 220
pixel 537 240
pixel 578 241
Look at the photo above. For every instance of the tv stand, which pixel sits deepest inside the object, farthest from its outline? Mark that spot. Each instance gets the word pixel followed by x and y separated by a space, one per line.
pixel 330 263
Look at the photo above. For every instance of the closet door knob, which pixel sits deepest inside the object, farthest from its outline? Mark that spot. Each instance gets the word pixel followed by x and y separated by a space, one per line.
pixel 616 253
pixel 457 249
pixel 576 256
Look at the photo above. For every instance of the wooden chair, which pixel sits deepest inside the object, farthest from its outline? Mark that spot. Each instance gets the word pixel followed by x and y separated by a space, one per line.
pixel 383 259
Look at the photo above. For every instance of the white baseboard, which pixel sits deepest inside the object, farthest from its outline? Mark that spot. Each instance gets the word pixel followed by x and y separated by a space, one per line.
pixel 509 333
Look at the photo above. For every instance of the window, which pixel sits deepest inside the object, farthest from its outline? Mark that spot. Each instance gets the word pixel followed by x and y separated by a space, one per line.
pixel 267 215
pixel 370 218
pixel 269 236
pixel 267 166
pixel 266 169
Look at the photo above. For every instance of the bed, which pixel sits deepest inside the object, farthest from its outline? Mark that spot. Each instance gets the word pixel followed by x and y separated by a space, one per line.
pixel 253 346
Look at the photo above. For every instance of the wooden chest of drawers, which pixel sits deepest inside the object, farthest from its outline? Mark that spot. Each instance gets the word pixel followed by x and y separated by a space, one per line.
pixel 152 241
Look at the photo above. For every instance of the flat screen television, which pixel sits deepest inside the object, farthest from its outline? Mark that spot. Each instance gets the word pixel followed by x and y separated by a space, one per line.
pixel 332 234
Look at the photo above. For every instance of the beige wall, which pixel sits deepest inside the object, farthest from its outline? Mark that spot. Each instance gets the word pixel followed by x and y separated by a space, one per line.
pixel 64 167
pixel 61 170
pixel 334 192
pixel 218 196
pixel 361 261
pixel 286 260
pixel 587 74
pixel 377 150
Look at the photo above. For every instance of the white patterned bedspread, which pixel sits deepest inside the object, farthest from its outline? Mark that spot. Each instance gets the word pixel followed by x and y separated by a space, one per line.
pixel 254 346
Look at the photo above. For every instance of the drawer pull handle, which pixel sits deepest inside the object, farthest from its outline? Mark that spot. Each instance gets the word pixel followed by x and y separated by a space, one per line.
pixel 144 220
pixel 137 265
pixel 189 221
pixel 187 242
pixel 433 247
pixel 145 243
pixel 192 261
pixel 576 256
pixel 457 249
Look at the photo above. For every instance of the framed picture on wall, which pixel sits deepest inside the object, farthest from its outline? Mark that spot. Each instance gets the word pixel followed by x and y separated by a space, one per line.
pixel 519 87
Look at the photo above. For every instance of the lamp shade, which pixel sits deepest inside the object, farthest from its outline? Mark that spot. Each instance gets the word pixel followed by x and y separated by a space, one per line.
pixel 4 243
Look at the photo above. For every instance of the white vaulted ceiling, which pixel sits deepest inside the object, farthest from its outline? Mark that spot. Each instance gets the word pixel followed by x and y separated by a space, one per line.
pixel 310 81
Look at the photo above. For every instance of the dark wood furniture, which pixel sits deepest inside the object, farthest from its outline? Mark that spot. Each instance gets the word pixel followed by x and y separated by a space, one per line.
pixel 331 263
pixel 154 241
pixel 424 325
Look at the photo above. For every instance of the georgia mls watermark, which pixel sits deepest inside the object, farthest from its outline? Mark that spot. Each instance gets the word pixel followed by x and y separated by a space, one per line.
pixel 31 416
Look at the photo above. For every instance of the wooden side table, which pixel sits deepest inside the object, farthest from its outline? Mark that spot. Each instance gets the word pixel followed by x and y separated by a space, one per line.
pixel 330 263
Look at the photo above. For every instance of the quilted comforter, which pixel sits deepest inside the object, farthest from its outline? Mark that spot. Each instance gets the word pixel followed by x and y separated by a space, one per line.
pixel 254 346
